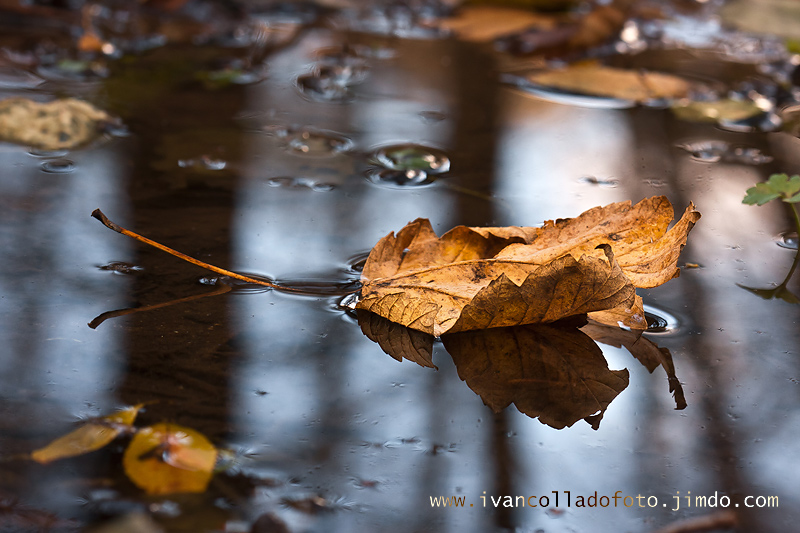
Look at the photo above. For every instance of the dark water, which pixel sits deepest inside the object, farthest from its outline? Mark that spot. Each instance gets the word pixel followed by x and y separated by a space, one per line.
pixel 328 432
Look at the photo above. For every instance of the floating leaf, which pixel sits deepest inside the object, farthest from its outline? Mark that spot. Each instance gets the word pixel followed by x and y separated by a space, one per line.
pixel 777 186
pixel 556 374
pixel 716 110
pixel 771 17
pixel 61 124
pixel 599 80
pixel 167 458
pixel 89 437
pixel 476 278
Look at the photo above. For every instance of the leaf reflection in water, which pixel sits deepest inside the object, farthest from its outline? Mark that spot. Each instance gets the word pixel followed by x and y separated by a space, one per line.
pixel 554 372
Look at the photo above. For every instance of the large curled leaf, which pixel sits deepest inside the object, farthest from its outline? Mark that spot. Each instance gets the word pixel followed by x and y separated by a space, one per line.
pixel 89 437
pixel 477 278
pixel 167 458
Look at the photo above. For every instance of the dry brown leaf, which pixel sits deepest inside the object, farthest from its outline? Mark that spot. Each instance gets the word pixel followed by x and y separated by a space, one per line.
pixel 599 80
pixel 476 278
pixel 556 374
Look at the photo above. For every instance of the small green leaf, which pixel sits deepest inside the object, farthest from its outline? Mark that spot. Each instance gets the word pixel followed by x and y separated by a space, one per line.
pixel 760 194
pixel 777 186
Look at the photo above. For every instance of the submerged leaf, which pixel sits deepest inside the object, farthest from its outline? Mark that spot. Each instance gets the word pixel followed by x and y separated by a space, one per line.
pixel 599 80
pixel 61 124
pixel 556 374
pixel 167 458
pixel 89 437
pixel 476 278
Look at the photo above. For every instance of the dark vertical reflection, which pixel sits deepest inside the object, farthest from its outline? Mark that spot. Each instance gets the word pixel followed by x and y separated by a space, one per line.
pixel 178 355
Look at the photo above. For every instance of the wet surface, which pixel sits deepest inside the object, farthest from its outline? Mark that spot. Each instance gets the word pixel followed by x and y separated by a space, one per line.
pixel 327 432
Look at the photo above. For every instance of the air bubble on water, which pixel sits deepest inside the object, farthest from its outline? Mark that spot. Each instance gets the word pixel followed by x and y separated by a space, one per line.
pixel 399 178
pixel 413 157
pixel 58 166
pixel 714 151
pixel 300 183
pixel 324 89
pixel 121 267
pixel 788 240
pixel 316 143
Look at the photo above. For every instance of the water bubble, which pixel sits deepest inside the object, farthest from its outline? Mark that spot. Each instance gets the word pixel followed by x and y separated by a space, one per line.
pixel 400 178
pixel 300 183
pixel 659 321
pixel 412 157
pixel 788 240
pixel 316 143
pixel 58 166
pixel 721 151
pixel 324 89
pixel 121 267
pixel 203 162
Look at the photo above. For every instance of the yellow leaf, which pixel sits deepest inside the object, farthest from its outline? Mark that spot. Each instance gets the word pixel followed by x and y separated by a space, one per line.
pixel 89 437
pixel 167 458
pixel 476 278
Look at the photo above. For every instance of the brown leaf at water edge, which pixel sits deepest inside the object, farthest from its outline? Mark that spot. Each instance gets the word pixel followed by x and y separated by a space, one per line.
pixel 554 373
pixel 89 437
pixel 475 278
pixel 397 341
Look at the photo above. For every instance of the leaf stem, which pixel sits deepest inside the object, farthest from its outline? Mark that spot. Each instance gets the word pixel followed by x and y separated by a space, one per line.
pixel 128 233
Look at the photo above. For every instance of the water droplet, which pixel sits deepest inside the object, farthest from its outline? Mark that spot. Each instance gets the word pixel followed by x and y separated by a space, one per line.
pixel 413 157
pixel 324 89
pixel 316 143
pixel 203 162
pixel 592 180
pixel 788 240
pixel 300 183
pixel 721 151
pixel 58 166
pixel 659 321
pixel 121 267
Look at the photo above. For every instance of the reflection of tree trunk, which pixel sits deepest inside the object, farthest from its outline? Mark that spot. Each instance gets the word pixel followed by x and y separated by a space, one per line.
pixel 177 355
pixel 476 133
